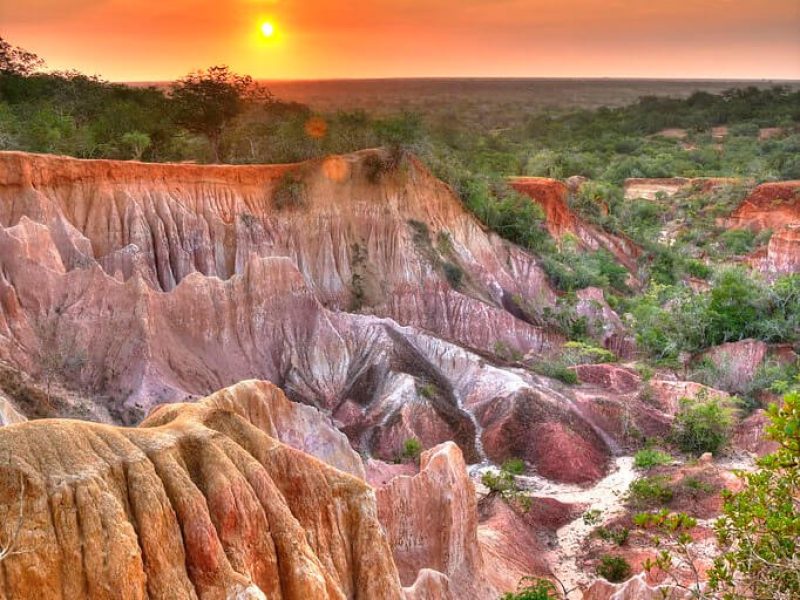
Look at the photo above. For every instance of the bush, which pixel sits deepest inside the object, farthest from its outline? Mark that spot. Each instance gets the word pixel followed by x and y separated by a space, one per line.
pixel 412 448
pixel 557 370
pixel 702 425
pixel 650 457
pixel 618 535
pixel 759 530
pixel 504 483
pixel 290 192
pixel 581 353
pixel 454 274
pixel 650 491
pixel 614 568
pixel 515 466
pixel 539 589
pixel 737 241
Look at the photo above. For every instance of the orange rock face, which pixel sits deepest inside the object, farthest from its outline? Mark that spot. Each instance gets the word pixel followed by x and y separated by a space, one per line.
pixel 552 195
pixel 774 206
pixel 197 502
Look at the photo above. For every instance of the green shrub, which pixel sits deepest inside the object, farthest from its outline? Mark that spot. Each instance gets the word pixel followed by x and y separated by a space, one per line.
pixel 504 483
pixel 454 274
pixel 537 589
pixel 737 241
pixel 618 535
pixel 759 531
pixel 412 448
pixel 290 192
pixel 696 487
pixel 581 353
pixel 650 491
pixel 650 457
pixel 426 390
pixel 702 425
pixel 592 517
pixel 515 466
pixel 500 481
pixel 614 568
pixel 557 370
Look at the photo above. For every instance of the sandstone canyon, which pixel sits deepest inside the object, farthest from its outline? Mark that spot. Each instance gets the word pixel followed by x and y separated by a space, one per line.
pixel 144 308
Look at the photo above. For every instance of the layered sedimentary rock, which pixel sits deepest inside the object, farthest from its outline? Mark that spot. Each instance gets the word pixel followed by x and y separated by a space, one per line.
pixel 431 521
pixel 198 502
pixel 206 257
pixel 774 206
pixel 142 284
pixel 635 588
pixel 552 196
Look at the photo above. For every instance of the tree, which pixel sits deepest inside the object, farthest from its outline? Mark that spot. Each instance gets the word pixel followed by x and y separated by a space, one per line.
pixel 17 61
pixel 760 525
pixel 136 143
pixel 207 101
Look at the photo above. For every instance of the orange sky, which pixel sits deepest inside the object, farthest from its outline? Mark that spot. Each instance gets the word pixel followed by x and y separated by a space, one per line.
pixel 135 40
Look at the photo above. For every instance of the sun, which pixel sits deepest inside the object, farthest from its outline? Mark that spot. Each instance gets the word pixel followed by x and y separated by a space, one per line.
pixel 267 29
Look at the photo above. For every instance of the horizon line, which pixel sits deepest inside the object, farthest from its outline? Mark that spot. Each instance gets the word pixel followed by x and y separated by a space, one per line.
pixel 501 78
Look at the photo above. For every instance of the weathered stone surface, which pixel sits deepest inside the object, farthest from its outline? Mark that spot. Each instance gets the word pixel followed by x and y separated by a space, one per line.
pixel 774 206
pixel 552 195
pixel 197 502
pixel 9 414
pixel 604 324
pixel 737 362
pixel 635 588
pixel 431 521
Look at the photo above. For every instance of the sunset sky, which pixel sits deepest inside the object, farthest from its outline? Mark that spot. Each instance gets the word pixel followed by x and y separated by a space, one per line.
pixel 150 40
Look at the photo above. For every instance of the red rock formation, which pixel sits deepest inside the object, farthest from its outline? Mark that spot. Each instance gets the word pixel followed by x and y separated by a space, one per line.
pixel 552 196
pixel 769 206
pixel 774 206
pixel 431 521
pixel 198 502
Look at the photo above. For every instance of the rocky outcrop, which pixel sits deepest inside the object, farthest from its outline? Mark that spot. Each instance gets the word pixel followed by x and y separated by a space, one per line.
pixel 197 502
pixel 736 363
pixel 431 521
pixel 552 195
pixel 774 206
pixel 183 256
pixel 9 413
pixel 635 588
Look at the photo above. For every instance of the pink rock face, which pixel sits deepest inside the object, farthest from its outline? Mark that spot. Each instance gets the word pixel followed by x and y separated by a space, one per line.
pixel 749 435
pixel 9 414
pixel 737 362
pixel 635 588
pixel 431 521
pixel 540 431
pixel 503 531
pixel 604 324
